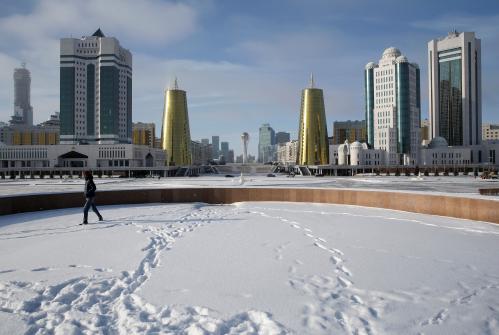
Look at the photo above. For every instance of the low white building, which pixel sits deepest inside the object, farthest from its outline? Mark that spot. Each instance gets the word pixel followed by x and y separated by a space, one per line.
pixel 355 153
pixel 437 152
pixel 432 153
pixel 90 156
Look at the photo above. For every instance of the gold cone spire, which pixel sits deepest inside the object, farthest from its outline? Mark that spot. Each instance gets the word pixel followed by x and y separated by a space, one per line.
pixel 175 134
pixel 313 144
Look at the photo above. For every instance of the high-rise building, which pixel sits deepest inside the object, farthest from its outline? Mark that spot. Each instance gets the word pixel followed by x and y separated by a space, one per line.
pixel 455 89
pixel 266 141
pixel 95 90
pixel 175 133
pixel 286 152
pixel 393 107
pixel 224 150
pixel 201 152
pixel 215 146
pixel 23 112
pixel 282 137
pixel 349 130
pixel 143 133
pixel 490 131
pixel 313 147
pixel 230 158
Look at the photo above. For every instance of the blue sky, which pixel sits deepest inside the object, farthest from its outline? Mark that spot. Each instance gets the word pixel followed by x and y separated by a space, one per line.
pixel 242 63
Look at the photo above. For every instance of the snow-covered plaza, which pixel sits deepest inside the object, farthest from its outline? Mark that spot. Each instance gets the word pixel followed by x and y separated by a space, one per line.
pixel 247 268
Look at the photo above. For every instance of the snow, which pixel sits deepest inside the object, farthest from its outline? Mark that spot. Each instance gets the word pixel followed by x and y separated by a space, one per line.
pixel 464 186
pixel 247 268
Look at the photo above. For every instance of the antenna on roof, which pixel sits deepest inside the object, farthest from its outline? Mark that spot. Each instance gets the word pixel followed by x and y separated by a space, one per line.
pixel 175 83
pixel 312 84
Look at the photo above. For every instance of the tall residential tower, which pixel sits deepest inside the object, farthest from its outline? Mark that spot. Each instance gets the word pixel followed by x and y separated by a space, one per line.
pixel 455 89
pixel 96 90
pixel 23 112
pixel 393 107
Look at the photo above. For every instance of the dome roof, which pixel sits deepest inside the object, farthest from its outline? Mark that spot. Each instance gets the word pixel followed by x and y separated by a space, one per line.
pixel 402 59
pixel 356 145
pixel 371 65
pixel 438 142
pixel 391 52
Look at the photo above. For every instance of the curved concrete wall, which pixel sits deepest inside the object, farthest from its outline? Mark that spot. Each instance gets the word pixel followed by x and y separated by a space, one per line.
pixel 464 208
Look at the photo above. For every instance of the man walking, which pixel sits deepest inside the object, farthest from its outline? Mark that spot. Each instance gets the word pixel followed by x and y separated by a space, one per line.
pixel 90 189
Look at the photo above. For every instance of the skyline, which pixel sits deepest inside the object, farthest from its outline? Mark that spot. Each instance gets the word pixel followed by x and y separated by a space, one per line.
pixel 242 65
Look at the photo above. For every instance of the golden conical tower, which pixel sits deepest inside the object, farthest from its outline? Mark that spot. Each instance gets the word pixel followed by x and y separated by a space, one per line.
pixel 175 133
pixel 313 147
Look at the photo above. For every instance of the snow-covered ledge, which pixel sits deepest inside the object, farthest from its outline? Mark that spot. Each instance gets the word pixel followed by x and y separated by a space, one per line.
pixel 453 206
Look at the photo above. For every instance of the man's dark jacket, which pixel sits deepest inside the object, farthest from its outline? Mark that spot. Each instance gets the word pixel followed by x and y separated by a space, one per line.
pixel 90 188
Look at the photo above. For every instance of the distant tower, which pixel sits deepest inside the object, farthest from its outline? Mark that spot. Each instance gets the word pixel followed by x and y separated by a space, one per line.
pixel 175 134
pixel 313 146
pixel 215 146
pixel 23 112
pixel 266 141
pixel 245 141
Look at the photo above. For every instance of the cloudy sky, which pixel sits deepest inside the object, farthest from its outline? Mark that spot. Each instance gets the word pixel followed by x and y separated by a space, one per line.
pixel 242 63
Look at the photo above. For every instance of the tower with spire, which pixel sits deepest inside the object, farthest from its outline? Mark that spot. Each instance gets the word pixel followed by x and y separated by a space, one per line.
pixel 175 132
pixel 313 147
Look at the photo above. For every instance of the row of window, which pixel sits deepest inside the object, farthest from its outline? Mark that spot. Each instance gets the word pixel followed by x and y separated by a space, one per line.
pixel 11 153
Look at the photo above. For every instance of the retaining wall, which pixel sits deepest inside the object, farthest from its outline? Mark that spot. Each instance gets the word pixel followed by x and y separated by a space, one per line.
pixel 458 207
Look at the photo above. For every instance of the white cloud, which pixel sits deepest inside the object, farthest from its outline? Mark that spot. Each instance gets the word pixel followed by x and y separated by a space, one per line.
pixel 150 22
pixel 34 38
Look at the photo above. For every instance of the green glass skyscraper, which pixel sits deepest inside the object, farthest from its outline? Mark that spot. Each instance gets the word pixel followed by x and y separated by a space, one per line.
pixel 95 90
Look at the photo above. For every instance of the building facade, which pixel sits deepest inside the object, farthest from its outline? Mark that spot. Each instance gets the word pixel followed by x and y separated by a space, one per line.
pixel 143 133
pixel 224 150
pixel 349 130
pixel 355 153
pixel 90 156
pixel 230 158
pixel 23 112
pixel 287 152
pixel 266 142
pixel 455 89
pixel 45 133
pixel 490 131
pixel 393 107
pixel 201 152
pixel 215 146
pixel 425 130
pixel 313 147
pixel 282 137
pixel 95 90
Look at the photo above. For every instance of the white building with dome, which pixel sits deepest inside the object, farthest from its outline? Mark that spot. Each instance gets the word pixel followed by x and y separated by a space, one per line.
pixel 355 154
pixel 393 107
